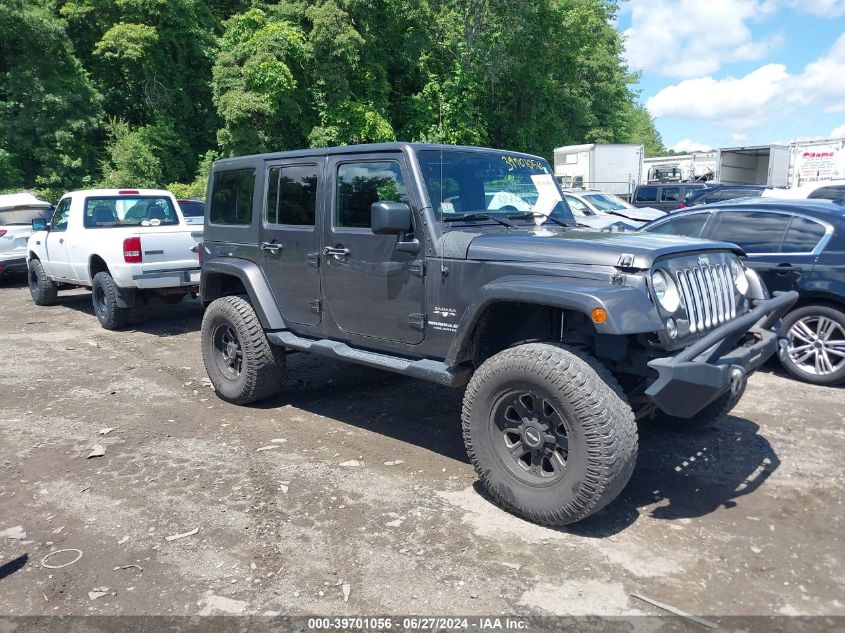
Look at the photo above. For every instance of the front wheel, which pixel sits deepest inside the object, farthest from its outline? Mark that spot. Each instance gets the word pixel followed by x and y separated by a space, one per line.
pixel 548 434
pixel 816 349
pixel 104 293
pixel 44 290
pixel 241 363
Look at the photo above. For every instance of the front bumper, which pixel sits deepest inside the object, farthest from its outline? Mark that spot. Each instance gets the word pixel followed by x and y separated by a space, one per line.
pixel 17 265
pixel 695 377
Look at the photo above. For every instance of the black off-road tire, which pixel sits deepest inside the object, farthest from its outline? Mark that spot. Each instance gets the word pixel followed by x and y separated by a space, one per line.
pixel 44 290
pixel 262 364
pixel 104 297
pixel 835 377
pixel 702 420
pixel 600 428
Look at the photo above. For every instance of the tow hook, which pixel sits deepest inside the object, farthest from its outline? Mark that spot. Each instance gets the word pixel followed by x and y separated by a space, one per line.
pixel 737 380
pixel 783 348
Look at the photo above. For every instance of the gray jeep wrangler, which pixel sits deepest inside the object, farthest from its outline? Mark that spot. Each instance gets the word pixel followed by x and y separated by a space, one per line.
pixel 464 266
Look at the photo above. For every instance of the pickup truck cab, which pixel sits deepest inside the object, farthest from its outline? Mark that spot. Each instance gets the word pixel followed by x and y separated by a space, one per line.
pixel 121 243
pixel 464 266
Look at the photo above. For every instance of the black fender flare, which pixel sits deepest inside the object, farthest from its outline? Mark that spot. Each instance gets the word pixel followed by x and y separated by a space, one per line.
pixel 629 310
pixel 260 295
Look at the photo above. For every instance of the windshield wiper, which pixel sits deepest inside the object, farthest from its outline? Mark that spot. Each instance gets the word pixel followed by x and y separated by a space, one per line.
pixel 537 214
pixel 477 216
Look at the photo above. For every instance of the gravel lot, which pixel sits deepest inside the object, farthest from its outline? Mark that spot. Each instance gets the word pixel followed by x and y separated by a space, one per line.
pixel 355 481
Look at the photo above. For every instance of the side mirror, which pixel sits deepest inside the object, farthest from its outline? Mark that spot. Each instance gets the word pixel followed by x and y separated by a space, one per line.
pixel 390 218
pixel 39 224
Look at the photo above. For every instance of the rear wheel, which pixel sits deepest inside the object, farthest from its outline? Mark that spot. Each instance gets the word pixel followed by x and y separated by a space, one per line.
pixel 816 349
pixel 44 290
pixel 104 293
pixel 548 434
pixel 241 363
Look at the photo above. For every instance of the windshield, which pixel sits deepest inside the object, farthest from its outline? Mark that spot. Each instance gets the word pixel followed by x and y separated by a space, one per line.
pixel 606 202
pixel 105 212
pixel 461 182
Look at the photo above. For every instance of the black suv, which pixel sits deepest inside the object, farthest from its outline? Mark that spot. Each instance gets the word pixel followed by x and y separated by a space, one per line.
pixel 666 196
pixel 793 245
pixel 463 266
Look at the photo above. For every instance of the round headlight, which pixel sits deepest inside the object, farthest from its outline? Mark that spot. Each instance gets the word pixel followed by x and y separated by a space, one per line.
pixel 665 290
pixel 740 280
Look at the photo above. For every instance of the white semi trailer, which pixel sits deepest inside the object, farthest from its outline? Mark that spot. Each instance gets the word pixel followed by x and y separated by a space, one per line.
pixel 816 161
pixel 612 168
pixel 756 165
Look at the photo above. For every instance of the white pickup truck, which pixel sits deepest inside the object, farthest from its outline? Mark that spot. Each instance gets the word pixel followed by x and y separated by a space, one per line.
pixel 121 243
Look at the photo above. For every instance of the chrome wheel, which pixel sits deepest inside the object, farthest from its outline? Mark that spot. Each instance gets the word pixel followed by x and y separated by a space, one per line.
pixel 817 345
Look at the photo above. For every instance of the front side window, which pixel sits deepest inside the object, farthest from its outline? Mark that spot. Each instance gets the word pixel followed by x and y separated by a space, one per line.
pixel 107 211
pixel 754 231
pixel 231 197
pixel 60 217
pixel 359 185
pixel 292 195
pixel 671 194
pixel 686 225
pixel 647 194
pixel 802 236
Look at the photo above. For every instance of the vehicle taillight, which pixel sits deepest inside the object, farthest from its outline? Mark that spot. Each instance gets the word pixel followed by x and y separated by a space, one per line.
pixel 132 250
pixel 2 232
pixel 682 206
pixel 128 192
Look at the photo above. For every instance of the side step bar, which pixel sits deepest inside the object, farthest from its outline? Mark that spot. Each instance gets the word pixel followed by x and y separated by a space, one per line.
pixel 430 370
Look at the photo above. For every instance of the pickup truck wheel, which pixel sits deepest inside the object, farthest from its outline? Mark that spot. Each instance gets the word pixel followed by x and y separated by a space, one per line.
pixel 104 297
pixel 548 433
pixel 242 364
pixel 44 290
pixel 816 349
pixel 705 418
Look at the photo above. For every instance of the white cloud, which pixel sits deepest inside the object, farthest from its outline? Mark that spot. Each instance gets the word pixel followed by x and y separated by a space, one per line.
pixel 688 145
pixel 747 101
pixel 690 38
pixel 820 8
pixel 838 132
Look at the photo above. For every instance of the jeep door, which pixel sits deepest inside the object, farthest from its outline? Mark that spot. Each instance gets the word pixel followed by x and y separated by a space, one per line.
pixel 290 237
pixel 373 284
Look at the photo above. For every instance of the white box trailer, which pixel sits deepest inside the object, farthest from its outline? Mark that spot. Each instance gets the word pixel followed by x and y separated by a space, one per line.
pixel 757 165
pixel 695 166
pixel 612 168
pixel 816 161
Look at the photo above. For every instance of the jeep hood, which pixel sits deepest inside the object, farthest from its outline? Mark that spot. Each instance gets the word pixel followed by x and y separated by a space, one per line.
pixel 571 246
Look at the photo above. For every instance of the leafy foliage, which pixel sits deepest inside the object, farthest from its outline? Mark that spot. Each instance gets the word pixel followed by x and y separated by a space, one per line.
pixel 147 92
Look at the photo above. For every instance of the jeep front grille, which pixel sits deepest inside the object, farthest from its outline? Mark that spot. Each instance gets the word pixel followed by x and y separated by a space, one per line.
pixel 707 292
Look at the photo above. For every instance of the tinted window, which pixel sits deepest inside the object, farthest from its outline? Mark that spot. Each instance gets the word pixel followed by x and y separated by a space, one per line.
pixel 104 212
pixel 687 225
pixel 361 184
pixel 671 194
pixel 60 217
pixel 834 192
pixel 192 208
pixel 231 196
pixel 647 194
pixel 802 236
pixel 754 231
pixel 292 195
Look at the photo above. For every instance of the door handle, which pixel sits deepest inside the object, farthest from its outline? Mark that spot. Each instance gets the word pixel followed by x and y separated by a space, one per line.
pixel 785 268
pixel 271 247
pixel 336 252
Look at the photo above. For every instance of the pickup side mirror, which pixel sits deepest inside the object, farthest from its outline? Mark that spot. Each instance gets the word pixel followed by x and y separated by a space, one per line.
pixel 39 224
pixel 390 218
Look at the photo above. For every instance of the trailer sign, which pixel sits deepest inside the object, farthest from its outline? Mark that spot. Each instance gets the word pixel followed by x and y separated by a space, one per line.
pixel 818 163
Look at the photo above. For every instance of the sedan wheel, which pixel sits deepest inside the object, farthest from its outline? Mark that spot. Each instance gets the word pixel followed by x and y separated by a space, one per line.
pixel 816 344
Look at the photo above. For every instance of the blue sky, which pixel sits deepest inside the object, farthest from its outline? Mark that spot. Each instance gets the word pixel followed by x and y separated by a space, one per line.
pixel 723 73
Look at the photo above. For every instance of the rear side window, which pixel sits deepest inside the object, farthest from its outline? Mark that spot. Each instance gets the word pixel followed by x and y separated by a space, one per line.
pixel 292 195
pixel 361 184
pixel 671 194
pixel 647 194
pixel 231 197
pixel 690 194
pixel 104 212
pixel 687 225
pixel 754 231
pixel 802 236
pixel 192 208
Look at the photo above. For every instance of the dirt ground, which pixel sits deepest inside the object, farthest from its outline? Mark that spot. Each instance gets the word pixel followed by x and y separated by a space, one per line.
pixel 354 482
